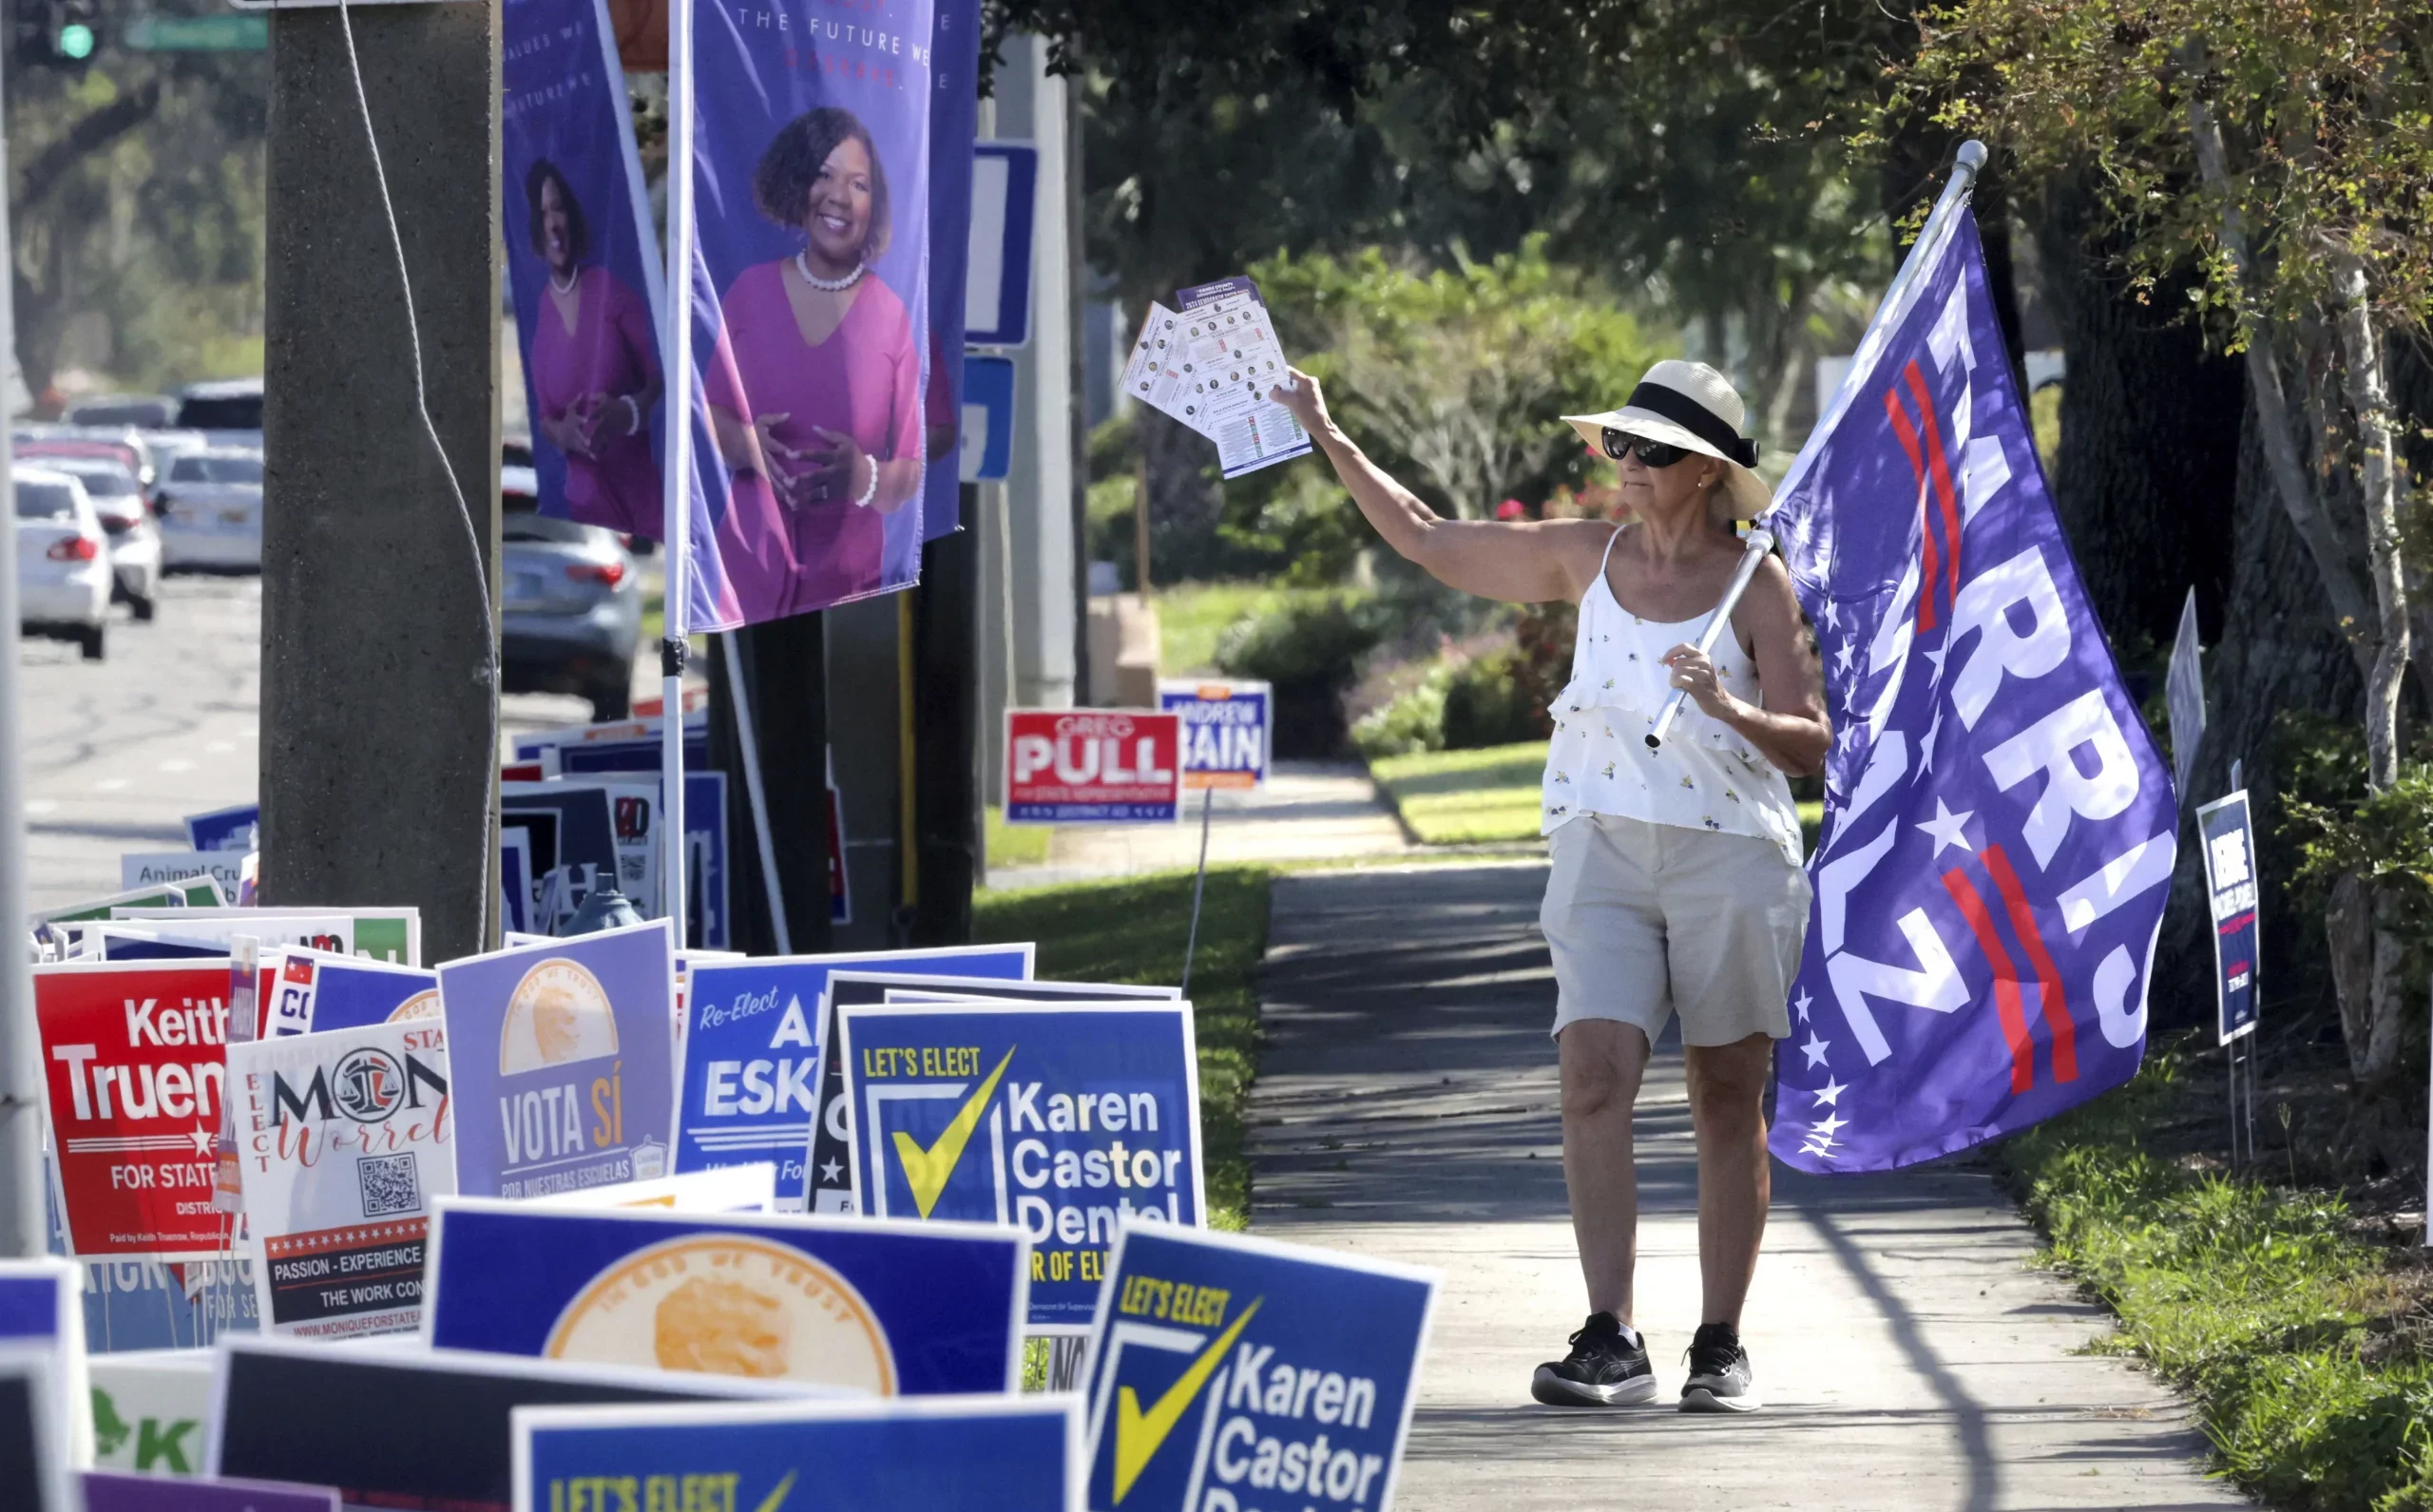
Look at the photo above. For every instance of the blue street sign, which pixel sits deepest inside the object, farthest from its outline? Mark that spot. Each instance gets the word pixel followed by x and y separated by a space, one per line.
pixel 988 418
pixel 996 287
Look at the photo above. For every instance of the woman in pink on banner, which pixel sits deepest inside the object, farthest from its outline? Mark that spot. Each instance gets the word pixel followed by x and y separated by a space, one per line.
pixel 815 393
pixel 594 366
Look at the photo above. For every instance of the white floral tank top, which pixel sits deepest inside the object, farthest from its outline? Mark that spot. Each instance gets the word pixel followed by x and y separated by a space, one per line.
pixel 1706 778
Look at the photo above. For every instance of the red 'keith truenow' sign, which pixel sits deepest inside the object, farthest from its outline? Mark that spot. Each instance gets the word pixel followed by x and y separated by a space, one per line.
pixel 134 1068
pixel 1092 766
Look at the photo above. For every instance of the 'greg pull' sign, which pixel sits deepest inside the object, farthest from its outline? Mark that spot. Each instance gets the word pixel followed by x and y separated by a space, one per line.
pixel 1062 1120
pixel 1092 766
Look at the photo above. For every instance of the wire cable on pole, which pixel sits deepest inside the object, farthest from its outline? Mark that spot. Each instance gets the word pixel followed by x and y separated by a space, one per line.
pixel 430 429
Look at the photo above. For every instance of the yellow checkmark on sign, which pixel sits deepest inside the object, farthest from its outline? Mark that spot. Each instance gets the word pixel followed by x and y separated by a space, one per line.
pixel 926 1171
pixel 777 1497
pixel 1138 1434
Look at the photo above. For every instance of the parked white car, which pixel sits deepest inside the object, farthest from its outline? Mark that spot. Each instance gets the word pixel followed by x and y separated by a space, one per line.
pixel 211 509
pixel 134 535
pixel 63 561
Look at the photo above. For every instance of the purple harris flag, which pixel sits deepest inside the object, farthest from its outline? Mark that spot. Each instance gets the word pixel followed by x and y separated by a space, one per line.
pixel 1999 825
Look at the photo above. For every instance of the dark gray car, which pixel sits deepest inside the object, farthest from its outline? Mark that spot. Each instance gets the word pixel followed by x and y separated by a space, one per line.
pixel 574 604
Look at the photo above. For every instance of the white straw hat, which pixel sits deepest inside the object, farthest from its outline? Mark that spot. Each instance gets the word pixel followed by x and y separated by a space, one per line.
pixel 1689 405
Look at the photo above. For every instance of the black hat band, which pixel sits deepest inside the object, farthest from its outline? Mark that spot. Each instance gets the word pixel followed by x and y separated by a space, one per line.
pixel 1673 405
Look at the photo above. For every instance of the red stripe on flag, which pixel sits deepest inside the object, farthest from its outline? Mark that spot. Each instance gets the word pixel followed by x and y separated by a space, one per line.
pixel 2008 1005
pixel 2048 977
pixel 1941 468
pixel 1908 435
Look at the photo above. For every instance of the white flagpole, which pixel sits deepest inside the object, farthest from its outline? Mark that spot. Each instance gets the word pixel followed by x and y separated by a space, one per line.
pixel 676 498
pixel 23 1230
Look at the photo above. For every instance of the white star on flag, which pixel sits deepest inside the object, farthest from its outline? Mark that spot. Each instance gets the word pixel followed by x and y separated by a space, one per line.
pixel 1814 1050
pixel 829 1170
pixel 1833 613
pixel 1829 1094
pixel 1948 828
pixel 1825 1128
pixel 1842 657
pixel 1936 657
pixel 1799 1005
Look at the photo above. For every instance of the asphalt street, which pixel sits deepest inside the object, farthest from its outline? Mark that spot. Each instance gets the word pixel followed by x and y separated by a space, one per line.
pixel 117 752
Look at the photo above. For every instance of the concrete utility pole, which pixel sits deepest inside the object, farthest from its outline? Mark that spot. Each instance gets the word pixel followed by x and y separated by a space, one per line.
pixel 1030 108
pixel 379 706
pixel 23 1229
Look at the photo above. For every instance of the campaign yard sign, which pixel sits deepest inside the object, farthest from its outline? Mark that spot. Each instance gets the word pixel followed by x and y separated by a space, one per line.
pixel 38 1320
pixel 343 1139
pixel 132 1081
pixel 938 1454
pixel 108 1492
pixel 2228 834
pixel 187 892
pixel 1228 730
pixel 141 869
pixel 889 1309
pixel 752 1080
pixel 313 990
pixel 148 1410
pixel 393 934
pixel 1061 1118
pixel 1234 1375
pixel 562 1063
pixel 235 829
pixel 1092 766
pixel 403 1429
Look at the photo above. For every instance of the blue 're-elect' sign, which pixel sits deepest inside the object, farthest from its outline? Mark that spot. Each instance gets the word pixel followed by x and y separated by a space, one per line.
pixel 938 1454
pixel 1060 1118
pixel 2228 834
pixel 1228 729
pixel 750 1085
pixel 988 418
pixel 1234 1375
pixel 889 1309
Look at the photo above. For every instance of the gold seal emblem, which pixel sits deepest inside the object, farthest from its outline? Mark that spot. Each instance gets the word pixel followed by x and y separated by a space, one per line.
pixel 557 1013
pixel 727 1304
pixel 423 1004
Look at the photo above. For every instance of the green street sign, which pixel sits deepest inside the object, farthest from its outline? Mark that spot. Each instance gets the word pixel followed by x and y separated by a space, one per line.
pixel 242 33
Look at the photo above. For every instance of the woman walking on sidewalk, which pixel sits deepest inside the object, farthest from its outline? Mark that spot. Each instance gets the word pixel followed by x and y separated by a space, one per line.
pixel 1675 882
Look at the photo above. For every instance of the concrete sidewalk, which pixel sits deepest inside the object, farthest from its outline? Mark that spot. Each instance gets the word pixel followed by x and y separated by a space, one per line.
pixel 1309 811
pixel 1405 1108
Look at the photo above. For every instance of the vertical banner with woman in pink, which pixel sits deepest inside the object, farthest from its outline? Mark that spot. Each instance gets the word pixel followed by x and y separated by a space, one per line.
pixel 954 120
pixel 811 312
pixel 583 266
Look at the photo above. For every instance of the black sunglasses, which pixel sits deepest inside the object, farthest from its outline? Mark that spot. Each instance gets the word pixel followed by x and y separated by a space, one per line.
pixel 1651 453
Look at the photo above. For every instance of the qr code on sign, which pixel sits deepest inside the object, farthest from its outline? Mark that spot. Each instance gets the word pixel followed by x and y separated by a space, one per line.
pixel 390 1184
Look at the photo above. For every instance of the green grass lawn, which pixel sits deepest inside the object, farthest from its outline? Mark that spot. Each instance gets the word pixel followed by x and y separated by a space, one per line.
pixel 1133 929
pixel 1471 797
pixel 2306 1347
pixel 1191 616
pixel 1015 845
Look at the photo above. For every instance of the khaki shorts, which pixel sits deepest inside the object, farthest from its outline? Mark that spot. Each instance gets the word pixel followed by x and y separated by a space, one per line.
pixel 1647 919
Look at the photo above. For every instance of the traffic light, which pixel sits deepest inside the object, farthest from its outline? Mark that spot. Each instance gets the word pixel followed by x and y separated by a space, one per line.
pixel 57 33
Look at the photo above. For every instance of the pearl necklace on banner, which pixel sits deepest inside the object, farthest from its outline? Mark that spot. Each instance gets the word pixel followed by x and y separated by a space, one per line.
pixel 831 285
pixel 567 287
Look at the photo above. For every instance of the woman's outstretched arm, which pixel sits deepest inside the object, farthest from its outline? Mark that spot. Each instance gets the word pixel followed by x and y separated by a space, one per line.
pixel 1522 561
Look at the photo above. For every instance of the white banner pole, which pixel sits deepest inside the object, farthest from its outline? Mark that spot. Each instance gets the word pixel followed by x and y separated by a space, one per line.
pixel 23 1230
pixel 676 350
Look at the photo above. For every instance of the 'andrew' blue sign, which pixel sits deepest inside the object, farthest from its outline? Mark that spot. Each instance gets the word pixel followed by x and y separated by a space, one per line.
pixel 1062 1120
pixel 750 1085
pixel 1226 730
pixel 938 1454
pixel 1229 1374
pixel 887 1309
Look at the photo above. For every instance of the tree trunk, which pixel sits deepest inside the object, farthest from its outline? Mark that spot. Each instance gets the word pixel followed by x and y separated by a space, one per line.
pixel 2369 402
pixel 1185 504
pixel 2148 462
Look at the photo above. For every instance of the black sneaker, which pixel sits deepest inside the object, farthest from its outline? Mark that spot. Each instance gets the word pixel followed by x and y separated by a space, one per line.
pixel 1719 1379
pixel 1603 1369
